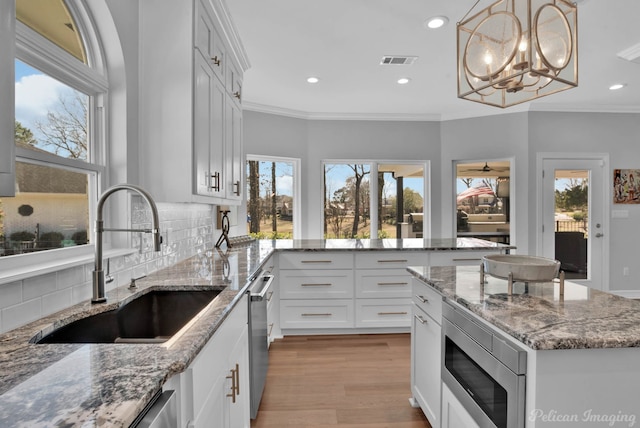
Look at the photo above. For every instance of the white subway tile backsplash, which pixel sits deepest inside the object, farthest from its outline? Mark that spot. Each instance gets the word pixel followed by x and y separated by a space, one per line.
pixel 38 286
pixel 10 294
pixel 56 301
pixel 189 228
pixel 67 278
pixel 17 315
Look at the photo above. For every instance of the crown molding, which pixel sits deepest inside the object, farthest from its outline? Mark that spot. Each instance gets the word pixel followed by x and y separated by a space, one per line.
pixel 526 107
pixel 298 114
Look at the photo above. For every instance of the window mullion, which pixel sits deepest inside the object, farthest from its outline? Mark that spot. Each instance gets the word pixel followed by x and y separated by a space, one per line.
pixel 46 56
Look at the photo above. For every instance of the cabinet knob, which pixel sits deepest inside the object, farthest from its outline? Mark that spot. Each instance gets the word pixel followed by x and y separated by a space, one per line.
pixel 216 60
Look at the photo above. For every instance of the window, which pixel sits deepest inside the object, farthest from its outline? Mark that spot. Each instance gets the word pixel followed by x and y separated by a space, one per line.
pixel 272 201
pixel 59 93
pixel 359 207
pixel 483 200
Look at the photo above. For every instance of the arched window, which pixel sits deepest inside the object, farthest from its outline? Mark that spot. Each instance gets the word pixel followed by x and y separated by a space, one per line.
pixel 60 95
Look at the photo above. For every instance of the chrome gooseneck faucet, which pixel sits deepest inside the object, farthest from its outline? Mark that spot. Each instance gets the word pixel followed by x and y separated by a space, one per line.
pixel 98 273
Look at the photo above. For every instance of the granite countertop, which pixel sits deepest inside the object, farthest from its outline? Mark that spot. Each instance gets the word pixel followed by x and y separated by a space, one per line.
pixel 536 314
pixel 108 385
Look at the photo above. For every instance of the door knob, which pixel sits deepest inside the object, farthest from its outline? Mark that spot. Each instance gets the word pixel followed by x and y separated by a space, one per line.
pixel 599 235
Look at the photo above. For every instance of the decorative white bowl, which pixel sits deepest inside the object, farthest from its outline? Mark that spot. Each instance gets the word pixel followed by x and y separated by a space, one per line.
pixel 523 268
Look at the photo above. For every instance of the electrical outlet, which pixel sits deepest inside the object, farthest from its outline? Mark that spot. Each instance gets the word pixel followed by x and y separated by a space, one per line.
pixel 625 271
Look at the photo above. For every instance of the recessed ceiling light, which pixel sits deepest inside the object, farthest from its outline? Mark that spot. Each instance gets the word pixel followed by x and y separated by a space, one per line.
pixel 403 80
pixel 313 80
pixel 436 22
pixel 617 86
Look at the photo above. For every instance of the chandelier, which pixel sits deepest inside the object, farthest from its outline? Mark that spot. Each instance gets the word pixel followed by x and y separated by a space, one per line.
pixel 518 50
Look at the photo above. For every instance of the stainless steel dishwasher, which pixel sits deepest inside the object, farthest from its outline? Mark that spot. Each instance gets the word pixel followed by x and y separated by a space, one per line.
pixel 258 339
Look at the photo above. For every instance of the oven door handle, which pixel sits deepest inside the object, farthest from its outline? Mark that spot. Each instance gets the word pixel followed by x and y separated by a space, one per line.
pixel 266 281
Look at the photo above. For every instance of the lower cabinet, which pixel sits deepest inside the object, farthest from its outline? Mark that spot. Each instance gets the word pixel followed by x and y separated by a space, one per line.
pixel 453 414
pixel 426 350
pixel 219 376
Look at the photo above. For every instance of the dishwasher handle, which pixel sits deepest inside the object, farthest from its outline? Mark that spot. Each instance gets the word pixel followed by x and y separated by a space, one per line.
pixel 259 289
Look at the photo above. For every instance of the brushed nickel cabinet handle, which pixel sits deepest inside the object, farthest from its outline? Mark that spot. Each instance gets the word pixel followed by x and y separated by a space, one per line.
pixel 317 315
pixel 216 181
pixel 317 285
pixel 422 299
pixel 466 260
pixel 216 60
pixel 237 94
pixel 420 319
pixel 392 283
pixel 315 261
pixel 392 261
pixel 232 394
pixel 237 379
pixel 237 186
pixel 269 296
pixel 392 313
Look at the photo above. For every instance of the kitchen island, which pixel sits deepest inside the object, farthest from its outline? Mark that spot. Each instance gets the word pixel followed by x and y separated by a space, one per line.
pixel 582 347
pixel 108 385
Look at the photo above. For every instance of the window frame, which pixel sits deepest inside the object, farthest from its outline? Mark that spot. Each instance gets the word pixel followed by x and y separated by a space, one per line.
pixel 40 53
pixel 373 190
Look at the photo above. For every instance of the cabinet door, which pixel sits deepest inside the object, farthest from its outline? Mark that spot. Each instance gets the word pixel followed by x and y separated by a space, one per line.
pixel 233 147
pixel 238 402
pixel 457 258
pixel 426 348
pixel 217 151
pixel 202 123
pixel 453 414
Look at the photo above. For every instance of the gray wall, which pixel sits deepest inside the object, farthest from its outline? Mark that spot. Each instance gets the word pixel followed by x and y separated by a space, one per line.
pixel 517 136
pixel 313 141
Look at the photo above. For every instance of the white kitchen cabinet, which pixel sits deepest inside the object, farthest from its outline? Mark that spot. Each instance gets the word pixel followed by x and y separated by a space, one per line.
pixel 316 290
pixel 383 288
pixel 454 415
pixel 191 124
pixel 426 350
pixel 273 300
pixel 458 258
pixel 219 376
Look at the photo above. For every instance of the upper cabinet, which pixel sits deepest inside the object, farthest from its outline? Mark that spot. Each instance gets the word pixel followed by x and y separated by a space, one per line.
pixel 190 96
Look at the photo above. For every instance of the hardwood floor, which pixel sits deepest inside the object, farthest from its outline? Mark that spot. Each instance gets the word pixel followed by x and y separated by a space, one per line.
pixel 351 381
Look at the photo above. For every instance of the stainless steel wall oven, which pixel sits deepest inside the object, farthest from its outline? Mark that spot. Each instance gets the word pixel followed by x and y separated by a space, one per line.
pixel 484 371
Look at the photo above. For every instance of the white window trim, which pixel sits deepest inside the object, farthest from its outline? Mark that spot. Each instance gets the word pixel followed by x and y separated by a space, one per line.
pixel 297 192
pixel 373 187
pixel 42 54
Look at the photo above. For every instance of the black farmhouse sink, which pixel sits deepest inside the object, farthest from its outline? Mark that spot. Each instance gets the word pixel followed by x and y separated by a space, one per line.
pixel 151 318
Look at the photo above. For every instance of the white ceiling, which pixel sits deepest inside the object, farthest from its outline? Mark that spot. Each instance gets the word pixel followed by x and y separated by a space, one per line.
pixel 343 41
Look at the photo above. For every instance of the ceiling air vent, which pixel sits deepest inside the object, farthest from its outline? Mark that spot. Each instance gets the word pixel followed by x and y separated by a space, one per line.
pixel 398 60
pixel 631 54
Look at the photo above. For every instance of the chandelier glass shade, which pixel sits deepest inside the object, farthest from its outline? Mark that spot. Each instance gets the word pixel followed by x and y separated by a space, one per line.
pixel 518 50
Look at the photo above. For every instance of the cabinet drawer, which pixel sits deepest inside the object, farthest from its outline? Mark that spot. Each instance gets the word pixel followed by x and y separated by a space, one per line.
pixel 321 284
pixel 456 258
pixel 387 313
pixel 427 299
pixel 336 313
pixel 316 260
pixel 388 283
pixel 391 259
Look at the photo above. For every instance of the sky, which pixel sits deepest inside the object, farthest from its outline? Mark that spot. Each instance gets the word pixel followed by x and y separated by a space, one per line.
pixel 36 93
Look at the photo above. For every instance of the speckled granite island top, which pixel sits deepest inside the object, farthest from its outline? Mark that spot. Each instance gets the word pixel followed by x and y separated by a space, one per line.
pixel 108 385
pixel 536 314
